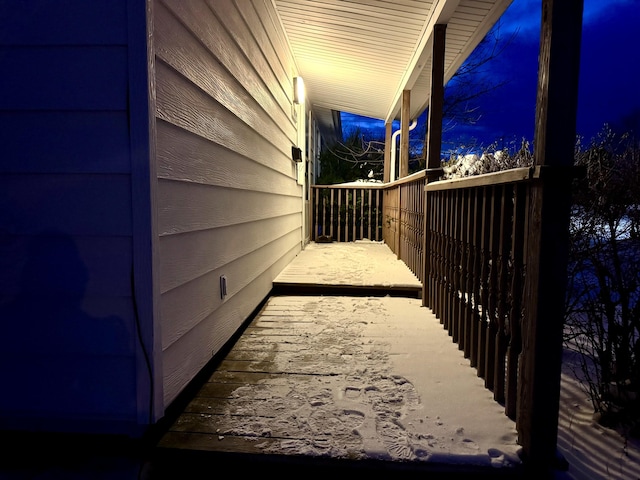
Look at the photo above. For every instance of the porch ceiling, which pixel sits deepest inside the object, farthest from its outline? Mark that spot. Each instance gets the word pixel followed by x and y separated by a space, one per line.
pixel 358 56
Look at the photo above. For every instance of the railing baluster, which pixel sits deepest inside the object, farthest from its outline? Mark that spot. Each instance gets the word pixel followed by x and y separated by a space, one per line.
pixel 378 217
pixel 462 220
pixel 339 215
pixel 516 295
pixel 329 210
pixel 484 284
pixel 455 312
pixel 444 258
pixel 370 212
pixel 440 257
pixel 450 260
pixel 361 222
pixel 494 228
pixel 435 208
pixel 444 247
pixel 506 215
pixel 354 217
pixel 433 251
pixel 412 233
pixel 468 270
pixel 409 227
pixel 475 277
pixel 314 214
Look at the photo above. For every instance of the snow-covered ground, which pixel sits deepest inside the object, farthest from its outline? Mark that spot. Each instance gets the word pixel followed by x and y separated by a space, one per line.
pixel 593 451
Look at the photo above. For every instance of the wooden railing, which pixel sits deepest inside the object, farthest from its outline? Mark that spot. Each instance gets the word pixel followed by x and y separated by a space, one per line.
pixel 475 246
pixel 391 212
pixel 472 244
pixel 403 217
pixel 346 213
pixel 475 271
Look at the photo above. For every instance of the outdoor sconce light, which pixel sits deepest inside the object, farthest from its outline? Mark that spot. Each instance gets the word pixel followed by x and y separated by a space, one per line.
pixel 298 90
pixel 296 154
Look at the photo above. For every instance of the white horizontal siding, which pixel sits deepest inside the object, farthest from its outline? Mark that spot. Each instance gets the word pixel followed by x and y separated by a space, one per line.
pixel 65 142
pixel 196 345
pixel 228 201
pixel 67 22
pixel 68 329
pixel 184 105
pixel 221 29
pixel 239 273
pixel 184 207
pixel 68 78
pixel 189 157
pixel 187 257
pixel 70 204
pixel 107 260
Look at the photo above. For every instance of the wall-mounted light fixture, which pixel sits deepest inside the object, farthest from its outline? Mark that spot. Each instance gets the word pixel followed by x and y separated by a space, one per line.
pixel 298 90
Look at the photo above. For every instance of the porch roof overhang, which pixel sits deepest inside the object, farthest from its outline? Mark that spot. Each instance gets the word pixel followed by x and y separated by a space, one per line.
pixel 358 56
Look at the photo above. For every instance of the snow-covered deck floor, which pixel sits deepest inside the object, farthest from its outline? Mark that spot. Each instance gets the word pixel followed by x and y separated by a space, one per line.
pixel 348 377
pixel 349 268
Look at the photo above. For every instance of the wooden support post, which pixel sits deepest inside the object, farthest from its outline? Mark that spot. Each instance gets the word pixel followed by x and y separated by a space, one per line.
pixel 387 153
pixel 398 239
pixel 549 209
pixel 436 98
pixel 404 134
pixel 434 134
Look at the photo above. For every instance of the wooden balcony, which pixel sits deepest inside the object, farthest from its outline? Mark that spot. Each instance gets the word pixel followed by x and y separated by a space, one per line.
pixel 366 381
pixel 443 293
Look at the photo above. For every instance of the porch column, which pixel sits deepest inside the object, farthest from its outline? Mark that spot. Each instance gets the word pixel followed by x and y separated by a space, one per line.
pixel 436 98
pixel 433 142
pixel 387 153
pixel 548 234
pixel 404 133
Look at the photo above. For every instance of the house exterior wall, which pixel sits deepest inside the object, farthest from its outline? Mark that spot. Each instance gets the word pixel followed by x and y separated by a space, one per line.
pixel 228 200
pixel 69 339
pixel 129 183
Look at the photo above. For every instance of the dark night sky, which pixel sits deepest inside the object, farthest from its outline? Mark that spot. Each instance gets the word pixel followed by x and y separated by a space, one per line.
pixel 608 88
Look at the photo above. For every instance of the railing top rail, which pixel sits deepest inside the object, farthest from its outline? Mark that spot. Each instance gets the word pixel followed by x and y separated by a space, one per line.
pixel 488 179
pixel 364 186
pixel 410 178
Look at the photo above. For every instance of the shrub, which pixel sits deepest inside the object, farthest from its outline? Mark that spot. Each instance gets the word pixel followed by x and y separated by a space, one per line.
pixel 602 321
pixel 490 160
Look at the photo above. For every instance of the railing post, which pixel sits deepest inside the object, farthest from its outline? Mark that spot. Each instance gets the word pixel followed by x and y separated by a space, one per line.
pixel 398 236
pixel 550 201
pixel 403 166
pixel 433 143
pixel 386 174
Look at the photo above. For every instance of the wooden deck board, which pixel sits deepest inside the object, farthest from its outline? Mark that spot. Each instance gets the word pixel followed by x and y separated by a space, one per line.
pixel 357 379
pixel 356 268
